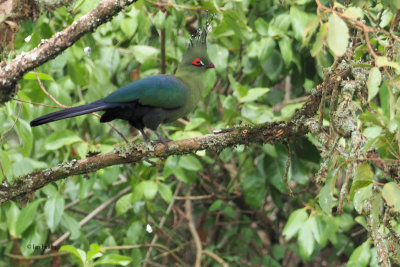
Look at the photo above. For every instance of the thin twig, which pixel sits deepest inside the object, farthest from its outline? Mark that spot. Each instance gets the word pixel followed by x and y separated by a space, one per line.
pixel 344 190
pixel 215 257
pixel 5 134
pixel 193 231
pixel 285 175
pixel 91 216
pixel 34 103
pixel 194 197
pixel 161 224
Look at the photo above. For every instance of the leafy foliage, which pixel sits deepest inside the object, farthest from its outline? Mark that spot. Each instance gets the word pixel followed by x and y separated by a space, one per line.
pixel 268 55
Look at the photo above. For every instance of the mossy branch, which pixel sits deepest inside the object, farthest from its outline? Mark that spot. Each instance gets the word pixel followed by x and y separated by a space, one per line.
pixel 11 72
pixel 136 152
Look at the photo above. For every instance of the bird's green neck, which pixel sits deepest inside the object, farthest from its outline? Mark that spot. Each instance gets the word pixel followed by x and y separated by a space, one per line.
pixel 192 77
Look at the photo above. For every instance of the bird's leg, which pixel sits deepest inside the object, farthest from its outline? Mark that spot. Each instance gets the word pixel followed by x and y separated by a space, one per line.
pixel 146 138
pixel 162 139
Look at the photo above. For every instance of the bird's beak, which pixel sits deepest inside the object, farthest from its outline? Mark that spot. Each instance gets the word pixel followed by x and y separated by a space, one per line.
pixel 210 66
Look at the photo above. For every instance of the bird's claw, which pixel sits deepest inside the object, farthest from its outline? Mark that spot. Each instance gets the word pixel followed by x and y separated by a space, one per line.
pixel 163 141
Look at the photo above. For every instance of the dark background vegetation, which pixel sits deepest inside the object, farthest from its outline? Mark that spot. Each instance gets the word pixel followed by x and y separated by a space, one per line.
pixel 327 195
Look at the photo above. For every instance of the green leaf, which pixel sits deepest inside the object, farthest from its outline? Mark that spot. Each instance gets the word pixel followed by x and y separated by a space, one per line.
pixel 78 253
pixel 273 169
pixel 391 194
pixel 310 29
pixel 144 52
pixel 194 123
pixel 254 94
pixel 216 205
pixel 325 197
pixel 306 240
pixel 5 163
pixel 346 221
pixel 221 61
pixel 77 73
pixel 387 101
pixel 53 211
pixel 295 223
pixel 27 216
pixel 354 12
pixel 384 62
pixel 338 35
pixel 135 232
pixel 72 225
pixel 320 229
pixel 319 40
pixel 129 26
pixel 149 189
pixel 159 20
pixel 261 26
pixel 364 172
pixel 278 251
pixel 94 252
pixel 264 48
pixel 114 259
pixel 123 204
pixel 360 256
pixel 299 21
pixel 12 214
pixel 34 238
pixel 254 189
pixel 42 76
pixel 363 177
pixel 60 138
pixel 273 66
pixel 25 133
pixel 285 45
pixel 373 82
pixel 191 163
pixel 165 192
pixel 360 196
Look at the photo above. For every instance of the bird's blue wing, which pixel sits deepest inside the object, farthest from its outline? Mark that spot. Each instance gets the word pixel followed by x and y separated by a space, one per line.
pixel 162 91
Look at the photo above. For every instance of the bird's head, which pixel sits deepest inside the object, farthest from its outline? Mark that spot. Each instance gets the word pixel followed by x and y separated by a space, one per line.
pixel 196 57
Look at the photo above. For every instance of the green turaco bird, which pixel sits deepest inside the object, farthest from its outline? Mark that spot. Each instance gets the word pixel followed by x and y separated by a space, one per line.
pixel 152 100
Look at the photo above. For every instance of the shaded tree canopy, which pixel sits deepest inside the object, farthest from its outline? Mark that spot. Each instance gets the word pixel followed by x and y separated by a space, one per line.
pixel 291 158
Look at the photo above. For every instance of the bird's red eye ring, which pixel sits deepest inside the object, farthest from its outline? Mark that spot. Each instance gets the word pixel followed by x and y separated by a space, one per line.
pixel 197 62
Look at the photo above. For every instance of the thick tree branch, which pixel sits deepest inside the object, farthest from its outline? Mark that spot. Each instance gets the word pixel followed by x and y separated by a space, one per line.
pixel 267 133
pixel 11 72
pixel 136 152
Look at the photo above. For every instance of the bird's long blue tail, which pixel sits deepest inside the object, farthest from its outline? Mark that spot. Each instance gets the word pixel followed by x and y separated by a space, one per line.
pixel 71 112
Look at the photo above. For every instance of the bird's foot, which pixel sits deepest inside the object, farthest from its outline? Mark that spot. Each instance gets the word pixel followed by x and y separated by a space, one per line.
pixel 162 140
pixel 146 138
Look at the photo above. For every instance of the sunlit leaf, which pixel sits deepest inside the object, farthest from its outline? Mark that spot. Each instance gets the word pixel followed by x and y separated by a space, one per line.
pixel 373 82
pixel 338 35
pixel 391 194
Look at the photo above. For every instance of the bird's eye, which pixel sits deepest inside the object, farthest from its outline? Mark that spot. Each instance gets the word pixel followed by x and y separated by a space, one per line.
pixel 197 62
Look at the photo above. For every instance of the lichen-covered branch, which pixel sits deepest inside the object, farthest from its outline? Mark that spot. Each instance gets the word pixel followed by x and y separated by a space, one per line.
pixel 136 152
pixel 11 72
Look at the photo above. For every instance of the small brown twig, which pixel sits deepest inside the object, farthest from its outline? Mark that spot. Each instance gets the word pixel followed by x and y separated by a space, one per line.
pixel 215 257
pixel 192 229
pixel 91 215
pixel 194 197
pixel 344 190
pixel 5 134
pixel 161 224
pixel 285 175
pixel 34 103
